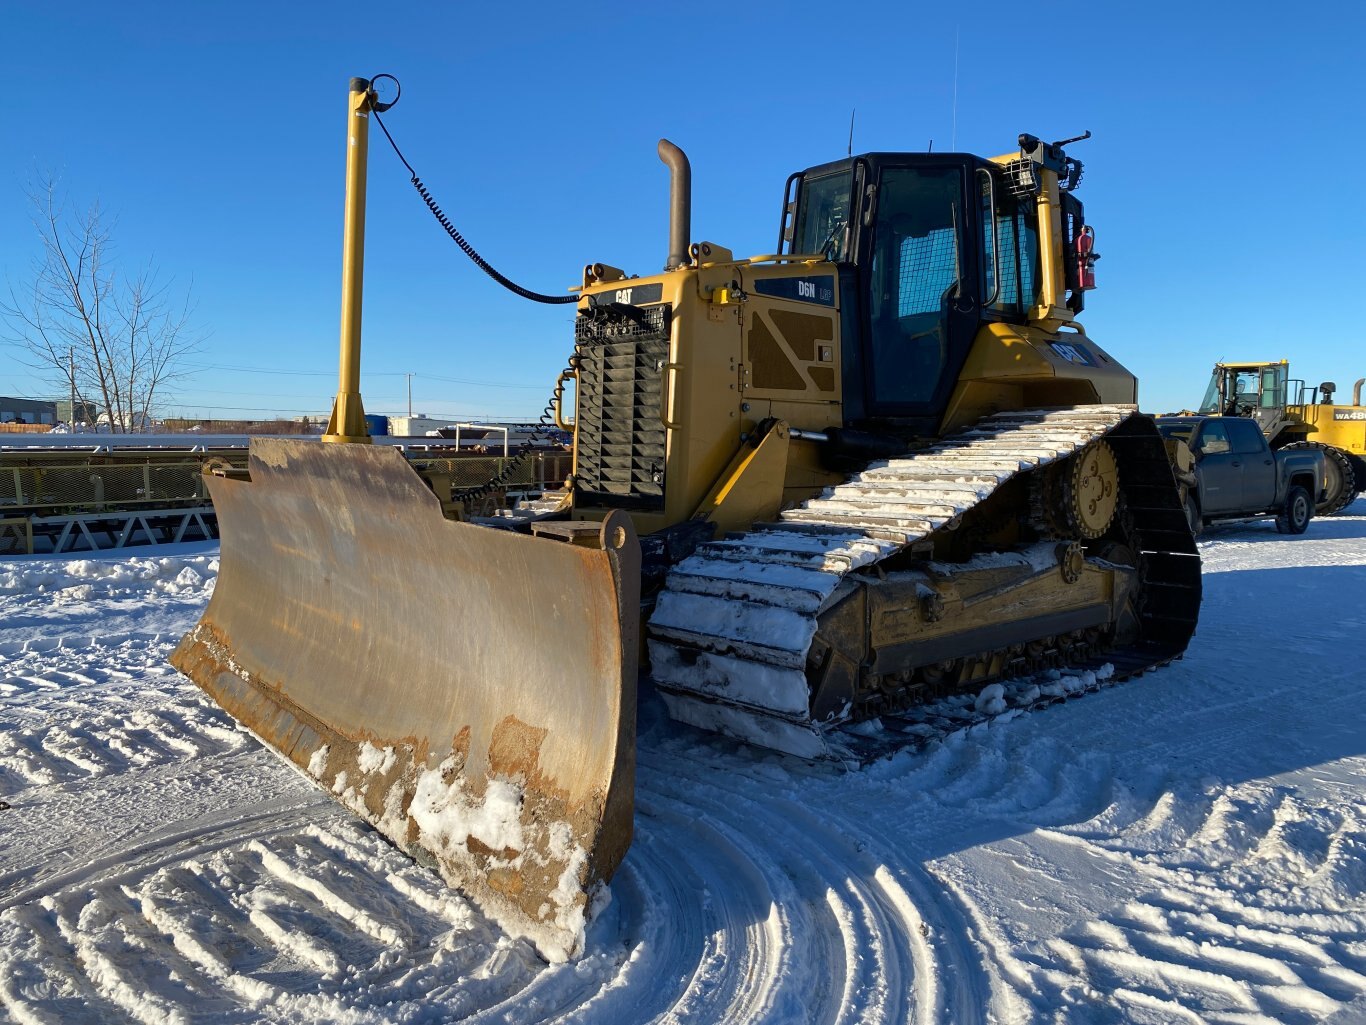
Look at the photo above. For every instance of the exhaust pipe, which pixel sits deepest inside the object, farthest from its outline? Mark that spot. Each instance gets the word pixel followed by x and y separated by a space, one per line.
pixel 680 204
pixel 1356 391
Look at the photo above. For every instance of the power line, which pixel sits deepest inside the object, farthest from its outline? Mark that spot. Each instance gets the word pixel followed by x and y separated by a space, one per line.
pixel 481 384
pixel 276 373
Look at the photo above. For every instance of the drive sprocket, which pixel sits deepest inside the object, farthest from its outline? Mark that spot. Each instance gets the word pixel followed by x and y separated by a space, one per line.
pixel 1077 497
pixel 1090 490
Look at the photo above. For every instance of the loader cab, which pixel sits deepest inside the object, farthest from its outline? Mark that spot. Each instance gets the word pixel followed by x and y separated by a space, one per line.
pixel 929 246
pixel 1259 391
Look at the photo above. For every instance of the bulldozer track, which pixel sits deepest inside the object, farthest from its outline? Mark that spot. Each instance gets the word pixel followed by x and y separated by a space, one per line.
pixel 735 621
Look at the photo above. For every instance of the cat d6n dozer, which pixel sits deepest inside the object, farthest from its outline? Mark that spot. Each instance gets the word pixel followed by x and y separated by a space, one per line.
pixel 877 466
pixel 1286 410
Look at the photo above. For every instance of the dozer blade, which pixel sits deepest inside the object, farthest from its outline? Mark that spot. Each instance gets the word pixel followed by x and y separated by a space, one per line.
pixel 469 692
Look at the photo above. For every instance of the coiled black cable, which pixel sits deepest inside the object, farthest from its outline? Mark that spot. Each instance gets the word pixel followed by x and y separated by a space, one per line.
pixel 541 431
pixel 459 239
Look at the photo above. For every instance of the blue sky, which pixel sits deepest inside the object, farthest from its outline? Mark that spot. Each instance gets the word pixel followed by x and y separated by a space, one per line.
pixel 1221 179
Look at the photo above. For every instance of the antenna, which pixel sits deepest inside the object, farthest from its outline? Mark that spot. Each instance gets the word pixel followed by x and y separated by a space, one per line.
pixel 852 112
pixel 953 144
pixel 930 147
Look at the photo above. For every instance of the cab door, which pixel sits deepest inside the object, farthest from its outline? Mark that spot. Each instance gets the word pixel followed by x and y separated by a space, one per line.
pixel 921 311
pixel 1254 462
pixel 1219 470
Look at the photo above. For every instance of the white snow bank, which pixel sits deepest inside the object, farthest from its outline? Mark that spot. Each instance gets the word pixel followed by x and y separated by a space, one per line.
pixel 84 579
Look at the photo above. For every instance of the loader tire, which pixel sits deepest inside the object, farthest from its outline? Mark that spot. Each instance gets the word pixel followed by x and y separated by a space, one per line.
pixel 1343 483
pixel 1294 517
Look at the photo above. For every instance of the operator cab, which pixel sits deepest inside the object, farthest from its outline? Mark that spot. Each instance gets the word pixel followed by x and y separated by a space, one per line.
pixel 929 247
pixel 1255 390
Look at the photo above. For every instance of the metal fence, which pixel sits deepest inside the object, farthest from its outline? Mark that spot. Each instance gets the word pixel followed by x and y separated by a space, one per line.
pixel 54 483
pixel 57 501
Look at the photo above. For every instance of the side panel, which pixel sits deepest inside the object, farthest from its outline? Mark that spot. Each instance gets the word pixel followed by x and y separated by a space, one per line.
pixel 791 343
pixel 1342 427
pixel 793 366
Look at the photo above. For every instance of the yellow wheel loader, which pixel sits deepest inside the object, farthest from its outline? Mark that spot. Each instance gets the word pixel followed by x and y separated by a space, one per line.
pixel 1286 410
pixel 815 487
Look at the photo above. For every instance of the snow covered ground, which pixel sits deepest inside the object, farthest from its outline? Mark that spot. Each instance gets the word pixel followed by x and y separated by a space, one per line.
pixel 1187 847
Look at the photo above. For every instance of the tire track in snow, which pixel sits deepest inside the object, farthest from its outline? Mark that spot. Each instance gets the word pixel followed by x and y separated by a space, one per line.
pixel 56 740
pixel 883 928
pixel 1250 904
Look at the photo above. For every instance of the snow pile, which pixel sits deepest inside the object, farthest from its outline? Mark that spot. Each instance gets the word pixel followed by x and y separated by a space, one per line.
pixel 110 577
pixel 991 701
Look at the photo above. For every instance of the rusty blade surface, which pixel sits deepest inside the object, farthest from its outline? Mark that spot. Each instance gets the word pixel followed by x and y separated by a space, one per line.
pixel 470 692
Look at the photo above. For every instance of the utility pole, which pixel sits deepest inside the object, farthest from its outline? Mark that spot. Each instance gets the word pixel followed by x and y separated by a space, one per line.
pixel 410 395
pixel 71 366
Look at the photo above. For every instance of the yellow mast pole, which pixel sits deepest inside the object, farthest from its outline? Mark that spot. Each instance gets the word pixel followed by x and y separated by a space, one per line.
pixel 347 423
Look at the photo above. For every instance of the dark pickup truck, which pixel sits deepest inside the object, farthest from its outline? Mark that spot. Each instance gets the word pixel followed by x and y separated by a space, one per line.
pixel 1228 472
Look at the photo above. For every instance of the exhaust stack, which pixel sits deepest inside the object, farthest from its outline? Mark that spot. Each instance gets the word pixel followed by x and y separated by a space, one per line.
pixel 680 204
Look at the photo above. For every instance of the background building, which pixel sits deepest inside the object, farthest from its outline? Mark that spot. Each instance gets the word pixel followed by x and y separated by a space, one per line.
pixel 86 412
pixel 27 411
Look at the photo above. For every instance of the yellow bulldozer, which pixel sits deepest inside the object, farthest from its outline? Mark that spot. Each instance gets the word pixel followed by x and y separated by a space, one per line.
pixel 1293 414
pixel 811 488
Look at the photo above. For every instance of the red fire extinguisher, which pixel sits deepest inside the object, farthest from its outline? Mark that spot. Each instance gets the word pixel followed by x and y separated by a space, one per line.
pixel 1086 258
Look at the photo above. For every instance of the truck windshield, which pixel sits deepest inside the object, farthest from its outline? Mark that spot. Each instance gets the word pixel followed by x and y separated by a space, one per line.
pixel 823 223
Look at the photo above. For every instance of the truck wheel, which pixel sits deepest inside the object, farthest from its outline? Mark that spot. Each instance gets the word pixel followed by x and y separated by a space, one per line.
pixel 1299 508
pixel 1197 524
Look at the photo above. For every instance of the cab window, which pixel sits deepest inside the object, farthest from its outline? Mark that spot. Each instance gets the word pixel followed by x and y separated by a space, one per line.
pixel 1010 245
pixel 1214 440
pixel 1210 403
pixel 916 269
pixel 1274 386
pixel 1243 396
pixel 1245 436
pixel 823 222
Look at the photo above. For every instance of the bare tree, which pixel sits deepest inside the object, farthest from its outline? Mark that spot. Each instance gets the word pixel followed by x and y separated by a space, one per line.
pixel 113 341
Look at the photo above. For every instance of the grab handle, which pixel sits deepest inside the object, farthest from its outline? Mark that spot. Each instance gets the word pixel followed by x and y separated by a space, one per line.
pixel 666 394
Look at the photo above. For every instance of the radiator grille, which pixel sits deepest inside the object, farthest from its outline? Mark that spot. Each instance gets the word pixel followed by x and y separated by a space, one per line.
pixel 619 435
